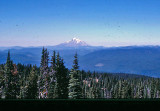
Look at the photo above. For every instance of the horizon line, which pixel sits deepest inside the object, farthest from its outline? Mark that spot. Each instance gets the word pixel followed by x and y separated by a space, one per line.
pixel 80 46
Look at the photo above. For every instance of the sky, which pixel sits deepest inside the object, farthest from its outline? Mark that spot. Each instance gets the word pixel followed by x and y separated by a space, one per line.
pixel 97 22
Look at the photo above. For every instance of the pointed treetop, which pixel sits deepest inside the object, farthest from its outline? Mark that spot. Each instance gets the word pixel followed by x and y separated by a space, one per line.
pixel 75 62
pixel 8 57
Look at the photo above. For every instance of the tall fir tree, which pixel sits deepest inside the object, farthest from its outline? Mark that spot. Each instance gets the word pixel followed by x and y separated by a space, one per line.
pixel 61 85
pixel 75 90
pixel 43 79
pixel 2 81
pixel 32 87
pixel 11 80
pixel 52 82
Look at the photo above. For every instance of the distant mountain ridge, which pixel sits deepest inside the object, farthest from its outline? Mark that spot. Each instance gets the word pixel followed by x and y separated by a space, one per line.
pixel 144 60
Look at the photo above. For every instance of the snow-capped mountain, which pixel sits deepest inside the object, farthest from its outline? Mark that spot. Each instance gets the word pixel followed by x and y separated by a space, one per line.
pixel 75 42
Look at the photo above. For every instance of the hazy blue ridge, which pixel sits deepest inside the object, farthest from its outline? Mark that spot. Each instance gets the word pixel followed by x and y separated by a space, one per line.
pixel 144 60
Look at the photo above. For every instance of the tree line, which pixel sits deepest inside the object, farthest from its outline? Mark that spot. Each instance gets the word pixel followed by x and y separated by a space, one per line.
pixel 52 80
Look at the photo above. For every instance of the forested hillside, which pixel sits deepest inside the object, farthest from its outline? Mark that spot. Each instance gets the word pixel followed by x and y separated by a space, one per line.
pixel 52 80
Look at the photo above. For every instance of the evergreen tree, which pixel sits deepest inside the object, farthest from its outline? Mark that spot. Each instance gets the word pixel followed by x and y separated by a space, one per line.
pixel 32 86
pixel 11 80
pixel 51 91
pixel 75 90
pixel 20 81
pixel 53 61
pixel 43 79
pixel 61 85
pixel 2 81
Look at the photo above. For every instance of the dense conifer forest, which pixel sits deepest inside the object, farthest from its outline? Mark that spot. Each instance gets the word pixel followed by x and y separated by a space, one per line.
pixel 52 80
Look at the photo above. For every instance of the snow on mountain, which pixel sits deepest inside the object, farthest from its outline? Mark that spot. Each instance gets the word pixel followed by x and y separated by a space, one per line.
pixel 75 42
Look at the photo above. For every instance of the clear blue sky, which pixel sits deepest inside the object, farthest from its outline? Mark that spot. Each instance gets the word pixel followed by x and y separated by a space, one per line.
pixel 98 22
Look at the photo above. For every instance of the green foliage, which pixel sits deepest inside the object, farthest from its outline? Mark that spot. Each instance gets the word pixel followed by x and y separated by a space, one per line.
pixel 32 87
pixel 11 84
pixel 55 81
pixel 75 91
pixel 2 80
pixel 61 90
pixel 52 82
pixel 43 79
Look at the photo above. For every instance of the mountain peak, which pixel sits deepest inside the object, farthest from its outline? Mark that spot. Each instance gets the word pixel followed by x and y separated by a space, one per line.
pixel 75 42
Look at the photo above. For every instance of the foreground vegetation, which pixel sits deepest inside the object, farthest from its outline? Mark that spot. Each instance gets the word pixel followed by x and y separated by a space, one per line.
pixel 52 80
